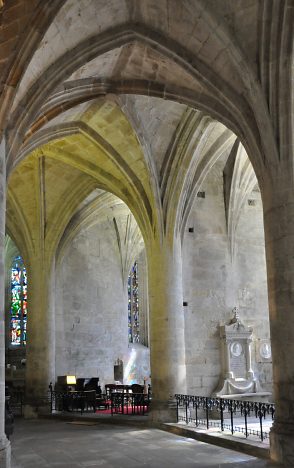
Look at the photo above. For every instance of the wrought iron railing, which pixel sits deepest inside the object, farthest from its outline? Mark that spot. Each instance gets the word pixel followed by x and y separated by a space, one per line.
pixel 16 401
pixel 72 401
pixel 129 403
pixel 115 403
pixel 219 412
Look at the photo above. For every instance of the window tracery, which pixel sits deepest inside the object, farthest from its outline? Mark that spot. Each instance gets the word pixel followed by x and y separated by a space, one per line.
pixel 133 306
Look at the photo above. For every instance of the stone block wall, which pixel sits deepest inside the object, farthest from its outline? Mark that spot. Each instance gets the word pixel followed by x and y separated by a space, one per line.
pixel 91 311
pixel 214 283
pixel 91 301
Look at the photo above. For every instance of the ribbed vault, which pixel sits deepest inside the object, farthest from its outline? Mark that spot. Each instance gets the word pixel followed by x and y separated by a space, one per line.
pixel 89 100
pixel 188 56
pixel 99 208
pixel 152 154
pixel 138 100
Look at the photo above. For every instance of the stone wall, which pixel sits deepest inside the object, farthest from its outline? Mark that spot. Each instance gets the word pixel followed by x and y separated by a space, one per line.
pixel 91 302
pixel 91 311
pixel 214 283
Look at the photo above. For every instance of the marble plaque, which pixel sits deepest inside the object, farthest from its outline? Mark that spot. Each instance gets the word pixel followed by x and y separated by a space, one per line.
pixel 263 351
pixel 238 359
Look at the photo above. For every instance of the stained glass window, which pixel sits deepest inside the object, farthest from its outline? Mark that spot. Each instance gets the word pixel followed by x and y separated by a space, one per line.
pixel 18 310
pixel 133 306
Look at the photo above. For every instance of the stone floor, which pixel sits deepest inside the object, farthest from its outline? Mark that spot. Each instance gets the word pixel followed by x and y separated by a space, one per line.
pixel 82 444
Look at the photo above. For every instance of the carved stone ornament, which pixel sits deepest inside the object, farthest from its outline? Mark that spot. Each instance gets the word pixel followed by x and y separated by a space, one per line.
pixel 236 348
pixel 263 351
pixel 237 374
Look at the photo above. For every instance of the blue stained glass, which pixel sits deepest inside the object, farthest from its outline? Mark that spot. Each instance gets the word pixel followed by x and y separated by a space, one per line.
pixel 18 309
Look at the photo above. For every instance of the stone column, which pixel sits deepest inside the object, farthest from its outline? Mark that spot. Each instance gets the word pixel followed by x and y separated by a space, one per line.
pixel 40 354
pixel 167 337
pixel 4 443
pixel 278 204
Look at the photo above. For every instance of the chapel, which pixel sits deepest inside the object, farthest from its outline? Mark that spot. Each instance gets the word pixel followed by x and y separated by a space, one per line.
pixel 147 191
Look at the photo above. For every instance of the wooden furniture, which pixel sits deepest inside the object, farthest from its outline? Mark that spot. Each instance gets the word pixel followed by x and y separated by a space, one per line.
pixel 62 384
pixel 84 395
pixel 110 388
pixel 127 399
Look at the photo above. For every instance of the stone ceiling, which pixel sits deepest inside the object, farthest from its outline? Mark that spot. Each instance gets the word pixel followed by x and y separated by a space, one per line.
pixel 98 108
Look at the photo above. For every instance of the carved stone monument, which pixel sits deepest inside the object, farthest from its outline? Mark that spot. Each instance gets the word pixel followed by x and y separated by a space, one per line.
pixel 238 377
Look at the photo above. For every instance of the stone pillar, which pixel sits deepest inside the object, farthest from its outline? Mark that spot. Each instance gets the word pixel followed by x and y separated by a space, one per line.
pixel 40 354
pixel 167 334
pixel 4 443
pixel 278 203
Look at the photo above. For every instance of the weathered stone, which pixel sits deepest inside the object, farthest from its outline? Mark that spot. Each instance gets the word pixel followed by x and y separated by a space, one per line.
pixel 72 78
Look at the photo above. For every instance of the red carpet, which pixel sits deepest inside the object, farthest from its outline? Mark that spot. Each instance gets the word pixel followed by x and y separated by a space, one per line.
pixel 128 410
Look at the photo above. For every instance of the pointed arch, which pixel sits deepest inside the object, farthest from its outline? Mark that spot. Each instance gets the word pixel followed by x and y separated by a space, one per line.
pixel 234 105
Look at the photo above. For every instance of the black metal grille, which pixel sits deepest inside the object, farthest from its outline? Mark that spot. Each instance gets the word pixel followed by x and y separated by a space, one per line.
pixel 16 401
pixel 116 402
pixel 215 412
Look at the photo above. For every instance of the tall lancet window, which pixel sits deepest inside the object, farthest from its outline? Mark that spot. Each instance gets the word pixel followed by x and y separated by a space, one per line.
pixel 18 310
pixel 133 305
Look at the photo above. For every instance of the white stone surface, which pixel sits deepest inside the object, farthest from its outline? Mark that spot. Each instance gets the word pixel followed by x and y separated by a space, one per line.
pixel 92 311
pixel 75 21
pixel 213 285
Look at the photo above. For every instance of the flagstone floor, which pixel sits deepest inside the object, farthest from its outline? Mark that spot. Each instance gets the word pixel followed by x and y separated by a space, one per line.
pixel 81 444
